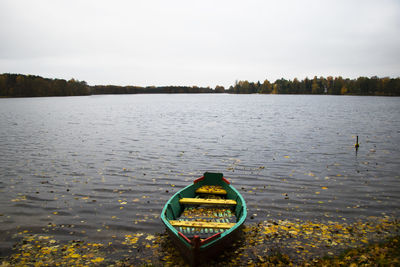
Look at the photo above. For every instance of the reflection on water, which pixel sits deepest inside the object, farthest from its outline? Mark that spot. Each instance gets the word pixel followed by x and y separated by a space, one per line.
pixel 102 166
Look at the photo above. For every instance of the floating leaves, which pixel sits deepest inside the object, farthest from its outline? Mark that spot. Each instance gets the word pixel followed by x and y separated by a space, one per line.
pixel 97 260
pixel 131 240
pixel 121 202
pixel 39 250
pixel 18 199
pixel 150 237
pixel 302 242
pixel 381 254
pixel 268 243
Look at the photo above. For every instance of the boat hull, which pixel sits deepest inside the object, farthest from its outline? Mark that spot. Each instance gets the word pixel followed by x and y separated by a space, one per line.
pixel 197 252
pixel 197 257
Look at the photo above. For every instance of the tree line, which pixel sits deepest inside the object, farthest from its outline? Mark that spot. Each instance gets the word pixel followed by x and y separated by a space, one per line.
pixel 113 89
pixel 330 85
pixel 18 85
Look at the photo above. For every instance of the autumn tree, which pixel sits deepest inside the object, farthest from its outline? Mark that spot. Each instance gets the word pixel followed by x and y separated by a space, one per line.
pixel 315 87
pixel 265 87
pixel 219 89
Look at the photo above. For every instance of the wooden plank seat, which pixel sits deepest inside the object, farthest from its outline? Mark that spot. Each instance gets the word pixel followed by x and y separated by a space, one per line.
pixel 204 201
pixel 196 224
pixel 211 189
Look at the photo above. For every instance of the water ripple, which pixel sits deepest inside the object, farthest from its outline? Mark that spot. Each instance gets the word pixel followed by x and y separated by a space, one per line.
pixel 101 166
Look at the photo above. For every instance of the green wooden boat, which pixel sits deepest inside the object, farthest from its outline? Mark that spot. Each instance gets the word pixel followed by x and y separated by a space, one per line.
pixel 203 218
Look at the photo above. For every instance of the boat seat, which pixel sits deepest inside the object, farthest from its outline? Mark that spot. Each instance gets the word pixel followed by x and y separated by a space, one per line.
pixel 209 189
pixel 205 201
pixel 195 224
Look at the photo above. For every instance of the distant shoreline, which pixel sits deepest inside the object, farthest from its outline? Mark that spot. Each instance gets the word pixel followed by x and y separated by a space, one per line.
pixel 19 85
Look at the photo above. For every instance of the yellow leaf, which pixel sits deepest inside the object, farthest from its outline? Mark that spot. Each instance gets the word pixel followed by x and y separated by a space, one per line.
pixel 98 259
pixel 134 240
pixel 293 232
pixel 150 237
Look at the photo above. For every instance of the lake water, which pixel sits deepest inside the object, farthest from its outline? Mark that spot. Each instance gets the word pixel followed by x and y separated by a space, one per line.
pixel 101 166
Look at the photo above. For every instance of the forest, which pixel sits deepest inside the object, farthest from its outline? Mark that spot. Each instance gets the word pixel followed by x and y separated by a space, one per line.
pixel 113 89
pixel 19 85
pixel 330 85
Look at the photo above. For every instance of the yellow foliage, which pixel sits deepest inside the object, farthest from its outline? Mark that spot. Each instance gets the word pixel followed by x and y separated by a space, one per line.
pixel 97 260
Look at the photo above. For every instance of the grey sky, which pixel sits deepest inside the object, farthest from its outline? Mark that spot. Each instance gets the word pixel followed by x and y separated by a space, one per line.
pixel 204 43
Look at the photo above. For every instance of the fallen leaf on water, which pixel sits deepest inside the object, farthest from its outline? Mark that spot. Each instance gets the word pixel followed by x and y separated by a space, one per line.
pixel 150 237
pixel 97 260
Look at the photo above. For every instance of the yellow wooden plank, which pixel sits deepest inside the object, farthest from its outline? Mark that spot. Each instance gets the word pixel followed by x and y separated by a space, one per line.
pixel 209 189
pixel 194 224
pixel 202 201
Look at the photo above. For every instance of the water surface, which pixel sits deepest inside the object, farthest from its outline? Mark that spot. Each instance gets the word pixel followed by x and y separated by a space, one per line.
pixel 100 167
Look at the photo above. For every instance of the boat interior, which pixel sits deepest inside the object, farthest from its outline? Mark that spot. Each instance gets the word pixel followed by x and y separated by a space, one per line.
pixel 207 214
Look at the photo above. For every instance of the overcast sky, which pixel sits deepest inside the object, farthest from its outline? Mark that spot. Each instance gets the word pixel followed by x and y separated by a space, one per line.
pixel 204 43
